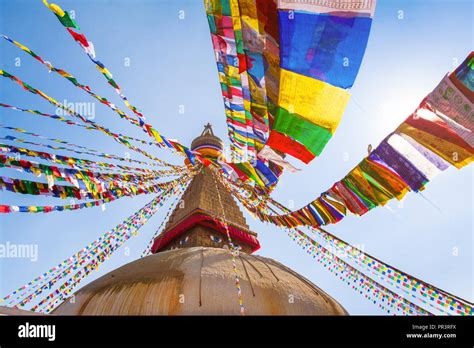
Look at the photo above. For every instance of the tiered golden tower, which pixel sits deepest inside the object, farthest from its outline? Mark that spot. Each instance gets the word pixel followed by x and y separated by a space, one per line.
pixel 206 211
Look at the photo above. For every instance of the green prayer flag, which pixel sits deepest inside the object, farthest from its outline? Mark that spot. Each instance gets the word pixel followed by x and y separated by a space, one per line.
pixel 312 136
pixel 67 21
pixel 212 23
pixel 357 191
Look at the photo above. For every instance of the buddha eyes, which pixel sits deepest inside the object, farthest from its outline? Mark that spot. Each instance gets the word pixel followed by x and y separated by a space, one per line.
pixel 215 239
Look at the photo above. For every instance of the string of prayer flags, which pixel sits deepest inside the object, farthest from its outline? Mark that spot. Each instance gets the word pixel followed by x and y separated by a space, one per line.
pixel 424 145
pixel 83 149
pixel 85 189
pixel 35 287
pixel 365 284
pixel 51 208
pixel 69 122
pixel 89 50
pixel 78 178
pixel 78 163
pixel 372 290
pixel 63 16
pixel 102 254
pixel 439 301
pixel 96 252
pixel 430 295
pixel 73 113
pixel 74 80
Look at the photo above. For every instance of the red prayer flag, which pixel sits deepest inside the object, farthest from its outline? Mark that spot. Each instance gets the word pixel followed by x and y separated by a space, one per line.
pixel 283 143
pixel 79 37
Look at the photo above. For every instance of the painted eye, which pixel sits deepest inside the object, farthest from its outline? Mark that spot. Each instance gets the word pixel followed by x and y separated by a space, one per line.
pixel 215 239
pixel 184 240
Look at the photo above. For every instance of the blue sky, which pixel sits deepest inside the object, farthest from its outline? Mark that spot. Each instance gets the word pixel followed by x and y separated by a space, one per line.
pixel 411 46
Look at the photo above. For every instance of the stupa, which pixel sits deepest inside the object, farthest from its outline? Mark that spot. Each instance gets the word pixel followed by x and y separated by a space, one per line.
pixel 190 271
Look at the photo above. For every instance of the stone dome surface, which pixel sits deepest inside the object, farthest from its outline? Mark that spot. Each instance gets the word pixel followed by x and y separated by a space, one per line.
pixel 200 281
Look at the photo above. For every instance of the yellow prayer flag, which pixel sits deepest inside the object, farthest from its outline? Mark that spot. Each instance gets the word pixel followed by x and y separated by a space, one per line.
pixel 223 78
pixel 251 22
pixel 258 93
pixel 247 104
pixel 235 13
pixel 316 101
pixel 232 71
pixel 240 137
pixel 55 8
pixel 248 8
pixel 157 136
pixel 239 115
pixel 452 153
pixel 104 71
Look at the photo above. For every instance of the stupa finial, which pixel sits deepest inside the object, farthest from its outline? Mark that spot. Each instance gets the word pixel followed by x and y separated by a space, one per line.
pixel 207 129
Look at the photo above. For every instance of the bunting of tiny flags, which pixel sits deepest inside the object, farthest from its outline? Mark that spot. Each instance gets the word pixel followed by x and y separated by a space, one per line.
pixel 79 149
pixel 171 208
pixel 58 296
pixel 86 190
pixel 73 113
pixel 90 51
pixel 373 291
pixel 80 163
pixel 51 208
pixel 72 176
pixel 24 294
pixel 88 47
pixel 71 123
pixel 74 263
pixel 438 299
pixel 73 80
pixel 362 283
pixel 234 251
pixel 430 295
pixel 99 249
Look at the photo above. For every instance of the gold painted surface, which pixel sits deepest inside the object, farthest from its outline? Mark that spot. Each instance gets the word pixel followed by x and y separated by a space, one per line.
pixel 173 283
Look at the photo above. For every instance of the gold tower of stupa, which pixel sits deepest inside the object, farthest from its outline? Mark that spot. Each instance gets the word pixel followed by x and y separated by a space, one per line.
pixel 191 272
